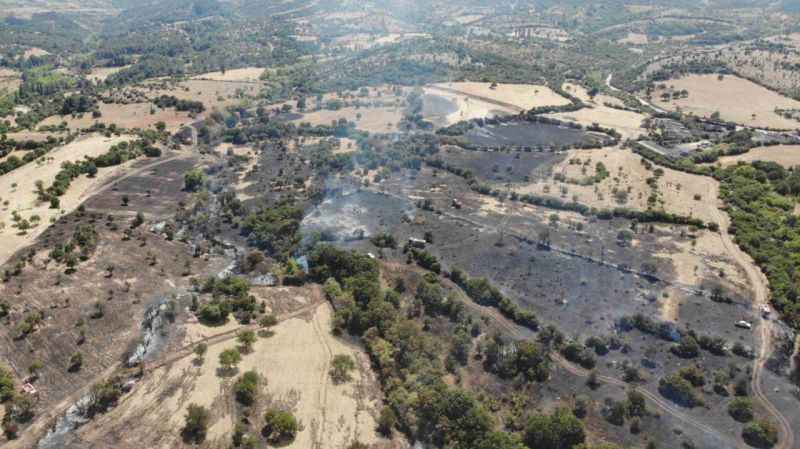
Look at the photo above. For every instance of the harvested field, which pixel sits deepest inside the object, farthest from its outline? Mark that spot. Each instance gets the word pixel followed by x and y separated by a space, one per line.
pixel 294 362
pixel 251 74
pixel 675 191
pixel 374 120
pixel 19 187
pixel 707 94
pixel 127 116
pixel 785 155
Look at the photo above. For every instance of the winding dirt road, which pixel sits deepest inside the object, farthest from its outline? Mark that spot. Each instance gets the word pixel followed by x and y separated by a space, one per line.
pixel 760 288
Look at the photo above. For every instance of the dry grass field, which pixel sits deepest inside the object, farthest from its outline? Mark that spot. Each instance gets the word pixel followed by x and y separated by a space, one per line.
pixel 19 190
pixel 9 80
pixel 785 155
pixel 374 120
pixel 736 99
pixel 294 363
pixel 628 123
pixel 480 100
pixel 100 74
pixel 675 193
pixel 129 116
pixel 251 74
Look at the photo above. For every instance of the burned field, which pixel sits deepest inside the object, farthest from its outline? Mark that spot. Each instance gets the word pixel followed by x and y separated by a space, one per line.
pixel 528 134
pixel 152 186
pixel 501 166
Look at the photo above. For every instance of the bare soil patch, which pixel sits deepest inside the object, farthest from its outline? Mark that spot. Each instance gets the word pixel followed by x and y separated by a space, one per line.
pixel 99 74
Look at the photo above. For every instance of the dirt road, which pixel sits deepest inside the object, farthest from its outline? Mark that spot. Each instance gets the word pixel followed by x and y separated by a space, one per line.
pixel 522 333
pixel 760 288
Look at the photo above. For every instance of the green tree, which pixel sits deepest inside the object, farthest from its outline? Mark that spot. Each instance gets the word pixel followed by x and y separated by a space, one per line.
pixel 193 180
pixel 229 358
pixel 246 388
pixel 561 430
pixel 760 434
pixel 280 427
pixel 247 338
pixel 196 423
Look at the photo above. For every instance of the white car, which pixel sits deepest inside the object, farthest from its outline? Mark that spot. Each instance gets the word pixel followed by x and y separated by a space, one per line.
pixel 744 325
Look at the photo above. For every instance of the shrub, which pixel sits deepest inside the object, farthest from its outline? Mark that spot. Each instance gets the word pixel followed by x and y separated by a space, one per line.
pixel 246 388
pixel 229 358
pixel 761 434
pixel 741 409
pixel 341 367
pixel 679 390
pixel 6 384
pixel 193 180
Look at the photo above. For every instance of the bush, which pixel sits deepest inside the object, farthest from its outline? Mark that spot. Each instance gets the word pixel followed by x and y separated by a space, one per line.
pixel 246 388
pixel 280 427
pixel 196 424
pixel 679 390
pixel 341 367
pixel 760 434
pixel 229 358
pixel 741 409
pixel 387 421
pixel 193 180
